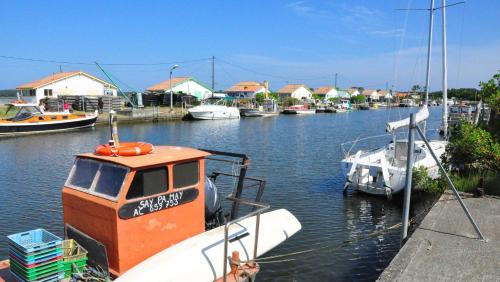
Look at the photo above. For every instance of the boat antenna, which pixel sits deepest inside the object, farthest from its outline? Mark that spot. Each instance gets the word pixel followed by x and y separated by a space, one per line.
pixel 429 50
pixel 117 87
pixel 445 75
pixel 213 75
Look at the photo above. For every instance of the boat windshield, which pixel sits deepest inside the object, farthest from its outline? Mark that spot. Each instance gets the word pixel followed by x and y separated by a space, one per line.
pixel 97 178
pixel 213 101
pixel 22 113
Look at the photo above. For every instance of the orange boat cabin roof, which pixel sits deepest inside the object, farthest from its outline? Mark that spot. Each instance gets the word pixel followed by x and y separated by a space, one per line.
pixel 160 155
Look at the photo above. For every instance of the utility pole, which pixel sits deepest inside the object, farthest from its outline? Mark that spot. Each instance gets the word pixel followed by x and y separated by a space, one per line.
pixel 213 73
pixel 336 75
pixel 60 68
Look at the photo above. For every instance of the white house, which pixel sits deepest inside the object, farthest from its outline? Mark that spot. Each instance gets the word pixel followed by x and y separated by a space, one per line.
pixel 245 89
pixel 352 91
pixel 65 83
pixel 183 85
pixel 371 95
pixel 326 92
pixel 298 91
pixel 384 94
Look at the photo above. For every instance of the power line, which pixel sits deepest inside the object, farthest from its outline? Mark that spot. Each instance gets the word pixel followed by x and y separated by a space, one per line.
pixel 104 64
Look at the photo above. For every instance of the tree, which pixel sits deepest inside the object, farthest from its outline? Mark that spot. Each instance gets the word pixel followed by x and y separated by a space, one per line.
pixel 289 101
pixel 358 99
pixel 472 148
pixel 490 92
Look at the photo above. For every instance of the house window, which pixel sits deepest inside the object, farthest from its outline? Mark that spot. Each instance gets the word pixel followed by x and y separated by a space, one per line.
pixel 186 174
pixel 47 92
pixel 32 92
pixel 148 182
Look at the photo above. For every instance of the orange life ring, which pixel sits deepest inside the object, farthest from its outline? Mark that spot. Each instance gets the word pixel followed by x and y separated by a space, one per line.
pixel 125 149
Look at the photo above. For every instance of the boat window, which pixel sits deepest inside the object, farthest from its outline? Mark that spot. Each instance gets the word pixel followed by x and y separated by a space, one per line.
pixel 148 182
pixel 110 179
pixel 97 178
pixel 186 174
pixel 83 173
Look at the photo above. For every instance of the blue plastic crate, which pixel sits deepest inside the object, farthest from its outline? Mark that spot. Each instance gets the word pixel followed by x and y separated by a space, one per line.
pixel 39 260
pixel 34 240
pixel 53 278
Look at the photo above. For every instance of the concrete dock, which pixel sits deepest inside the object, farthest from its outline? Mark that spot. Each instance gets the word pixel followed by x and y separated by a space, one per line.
pixel 445 246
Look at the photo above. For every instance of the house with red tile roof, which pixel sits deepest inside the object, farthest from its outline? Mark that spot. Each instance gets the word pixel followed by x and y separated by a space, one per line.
pixel 245 89
pixel 326 92
pixel 298 91
pixel 76 83
pixel 183 85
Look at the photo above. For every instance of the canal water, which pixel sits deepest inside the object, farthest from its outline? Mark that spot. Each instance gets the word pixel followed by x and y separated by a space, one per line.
pixel 299 156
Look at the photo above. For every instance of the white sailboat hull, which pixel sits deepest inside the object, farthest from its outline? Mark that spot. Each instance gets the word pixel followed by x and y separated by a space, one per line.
pixel 210 112
pixel 383 171
pixel 200 258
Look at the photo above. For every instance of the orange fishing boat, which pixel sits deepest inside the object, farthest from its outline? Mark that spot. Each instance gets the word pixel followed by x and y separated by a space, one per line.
pixel 29 118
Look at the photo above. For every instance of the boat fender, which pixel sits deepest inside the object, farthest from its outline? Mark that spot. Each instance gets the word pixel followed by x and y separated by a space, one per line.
pixel 125 149
pixel 212 202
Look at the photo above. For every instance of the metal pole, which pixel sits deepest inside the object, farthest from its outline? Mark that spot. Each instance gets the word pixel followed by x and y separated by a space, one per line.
pixel 409 168
pixel 336 74
pixel 213 73
pixel 257 225
pixel 171 95
pixel 239 188
pixel 224 267
pixel 445 75
pixel 450 184
pixel 429 50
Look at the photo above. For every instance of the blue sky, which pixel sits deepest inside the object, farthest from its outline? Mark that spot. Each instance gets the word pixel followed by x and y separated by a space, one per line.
pixel 368 43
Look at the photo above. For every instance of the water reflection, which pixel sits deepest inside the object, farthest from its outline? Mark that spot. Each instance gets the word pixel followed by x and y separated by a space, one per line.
pixel 299 157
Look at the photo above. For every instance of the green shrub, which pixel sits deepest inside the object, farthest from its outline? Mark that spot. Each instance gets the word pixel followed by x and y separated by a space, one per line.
pixel 421 181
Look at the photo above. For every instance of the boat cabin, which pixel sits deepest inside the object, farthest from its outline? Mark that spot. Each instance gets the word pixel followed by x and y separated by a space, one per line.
pixel 134 207
pixel 32 113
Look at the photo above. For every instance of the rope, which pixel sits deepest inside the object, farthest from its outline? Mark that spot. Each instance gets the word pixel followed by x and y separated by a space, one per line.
pixel 284 257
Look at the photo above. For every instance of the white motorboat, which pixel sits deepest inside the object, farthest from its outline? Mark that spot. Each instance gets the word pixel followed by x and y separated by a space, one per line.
pixel 383 171
pixel 215 110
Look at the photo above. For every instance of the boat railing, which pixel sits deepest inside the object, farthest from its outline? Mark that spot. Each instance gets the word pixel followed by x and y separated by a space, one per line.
pixel 348 147
pixel 259 208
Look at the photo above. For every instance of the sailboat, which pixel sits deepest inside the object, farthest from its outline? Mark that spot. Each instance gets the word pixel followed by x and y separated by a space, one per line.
pixel 382 171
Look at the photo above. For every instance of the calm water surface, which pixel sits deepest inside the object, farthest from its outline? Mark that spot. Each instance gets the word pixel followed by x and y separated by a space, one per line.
pixel 298 155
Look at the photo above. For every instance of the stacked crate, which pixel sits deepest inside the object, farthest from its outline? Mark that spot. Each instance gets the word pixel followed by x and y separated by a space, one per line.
pixel 36 256
pixel 74 258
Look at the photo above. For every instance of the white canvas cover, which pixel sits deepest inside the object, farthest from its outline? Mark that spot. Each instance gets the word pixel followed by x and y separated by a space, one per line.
pixel 422 115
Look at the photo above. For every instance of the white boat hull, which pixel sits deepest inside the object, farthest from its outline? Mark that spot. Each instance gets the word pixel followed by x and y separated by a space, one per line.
pixel 369 177
pixel 212 112
pixel 306 112
pixel 200 258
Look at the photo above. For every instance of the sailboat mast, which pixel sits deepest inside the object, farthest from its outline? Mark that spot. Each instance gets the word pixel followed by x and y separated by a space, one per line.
pixel 445 75
pixel 429 50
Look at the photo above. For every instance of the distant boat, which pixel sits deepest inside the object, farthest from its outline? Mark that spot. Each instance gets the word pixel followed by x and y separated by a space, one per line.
pixel 251 113
pixel 29 118
pixel 407 103
pixel 299 110
pixel 213 109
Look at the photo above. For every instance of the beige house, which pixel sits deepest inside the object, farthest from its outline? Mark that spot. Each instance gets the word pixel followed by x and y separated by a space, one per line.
pixel 297 91
pixel 371 95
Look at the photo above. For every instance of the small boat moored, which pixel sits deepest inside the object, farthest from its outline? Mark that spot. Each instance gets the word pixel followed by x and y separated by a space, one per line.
pixel 298 110
pixel 29 118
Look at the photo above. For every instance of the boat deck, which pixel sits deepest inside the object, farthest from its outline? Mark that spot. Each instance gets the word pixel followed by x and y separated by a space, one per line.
pixel 5 275
pixel 445 246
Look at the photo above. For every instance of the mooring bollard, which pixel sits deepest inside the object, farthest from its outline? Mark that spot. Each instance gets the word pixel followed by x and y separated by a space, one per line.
pixel 409 168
